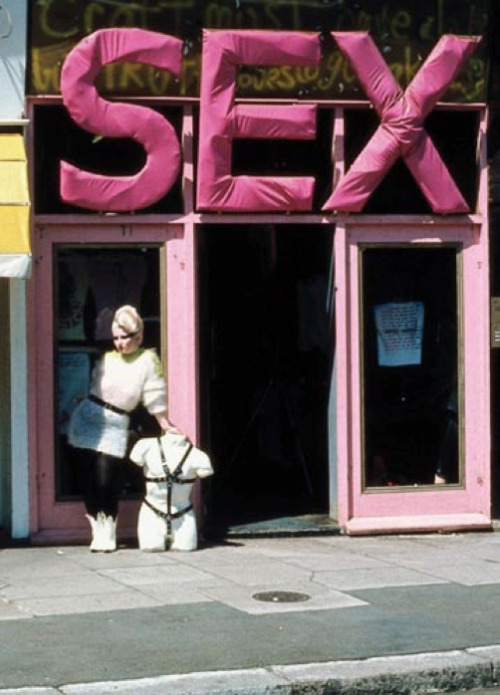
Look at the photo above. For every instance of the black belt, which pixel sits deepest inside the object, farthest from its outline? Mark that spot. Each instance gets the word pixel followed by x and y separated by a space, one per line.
pixel 166 478
pixel 107 406
pixel 168 516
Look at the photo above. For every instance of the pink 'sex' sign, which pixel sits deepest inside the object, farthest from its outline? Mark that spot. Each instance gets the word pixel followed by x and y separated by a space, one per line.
pixel 401 132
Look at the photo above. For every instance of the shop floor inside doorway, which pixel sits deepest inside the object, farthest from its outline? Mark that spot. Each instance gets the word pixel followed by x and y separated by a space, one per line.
pixel 305 525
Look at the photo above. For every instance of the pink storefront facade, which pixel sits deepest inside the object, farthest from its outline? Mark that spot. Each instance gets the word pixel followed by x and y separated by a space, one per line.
pixel 311 259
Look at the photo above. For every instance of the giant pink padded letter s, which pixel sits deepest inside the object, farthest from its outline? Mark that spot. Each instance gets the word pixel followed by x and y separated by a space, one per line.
pixel 114 120
pixel 402 114
pixel 221 121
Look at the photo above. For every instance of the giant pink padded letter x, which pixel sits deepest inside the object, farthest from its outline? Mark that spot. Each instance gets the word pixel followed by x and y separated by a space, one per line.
pixel 401 132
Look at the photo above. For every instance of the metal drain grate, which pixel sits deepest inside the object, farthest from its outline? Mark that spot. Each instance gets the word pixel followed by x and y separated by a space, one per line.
pixel 281 596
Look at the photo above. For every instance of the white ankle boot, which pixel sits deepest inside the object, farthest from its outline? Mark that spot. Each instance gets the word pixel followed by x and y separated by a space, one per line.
pixel 96 535
pixel 103 533
pixel 108 536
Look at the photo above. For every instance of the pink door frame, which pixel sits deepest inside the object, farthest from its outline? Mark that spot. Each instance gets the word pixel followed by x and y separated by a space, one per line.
pixel 425 509
pixel 51 520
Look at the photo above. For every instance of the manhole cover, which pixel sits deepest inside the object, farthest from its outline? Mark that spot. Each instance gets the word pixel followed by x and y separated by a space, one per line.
pixel 281 596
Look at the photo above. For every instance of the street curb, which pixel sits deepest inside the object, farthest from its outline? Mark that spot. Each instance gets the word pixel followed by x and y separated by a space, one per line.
pixel 398 675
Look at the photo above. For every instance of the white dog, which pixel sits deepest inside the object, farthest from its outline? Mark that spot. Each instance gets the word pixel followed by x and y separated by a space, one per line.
pixel 171 466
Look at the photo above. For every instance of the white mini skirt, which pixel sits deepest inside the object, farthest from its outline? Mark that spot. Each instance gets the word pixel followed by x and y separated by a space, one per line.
pixel 97 428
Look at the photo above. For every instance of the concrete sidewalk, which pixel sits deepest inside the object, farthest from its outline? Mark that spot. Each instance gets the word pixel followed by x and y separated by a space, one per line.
pixel 326 614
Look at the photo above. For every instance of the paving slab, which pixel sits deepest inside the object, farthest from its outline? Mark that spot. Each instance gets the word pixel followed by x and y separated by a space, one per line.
pixel 473 572
pixel 80 583
pixel 124 557
pixel 375 578
pixel 339 560
pixel 171 574
pixel 252 571
pixel 309 597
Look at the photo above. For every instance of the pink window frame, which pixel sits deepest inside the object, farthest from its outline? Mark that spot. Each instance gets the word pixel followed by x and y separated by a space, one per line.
pixel 403 509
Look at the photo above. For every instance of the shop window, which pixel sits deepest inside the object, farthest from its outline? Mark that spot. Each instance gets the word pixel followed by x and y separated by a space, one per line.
pixel 89 285
pixel 410 366
pixel 454 133
pixel 58 138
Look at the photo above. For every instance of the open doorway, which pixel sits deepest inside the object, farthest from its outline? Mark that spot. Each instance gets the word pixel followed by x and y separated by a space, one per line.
pixel 266 353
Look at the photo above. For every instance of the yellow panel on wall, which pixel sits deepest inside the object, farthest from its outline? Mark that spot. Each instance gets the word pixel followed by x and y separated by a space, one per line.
pixel 15 250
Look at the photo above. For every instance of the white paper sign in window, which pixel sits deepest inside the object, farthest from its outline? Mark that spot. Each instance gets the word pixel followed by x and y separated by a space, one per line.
pixel 400 329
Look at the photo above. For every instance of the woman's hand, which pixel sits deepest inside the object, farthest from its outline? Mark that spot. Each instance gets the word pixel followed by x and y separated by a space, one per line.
pixel 165 423
pixel 172 429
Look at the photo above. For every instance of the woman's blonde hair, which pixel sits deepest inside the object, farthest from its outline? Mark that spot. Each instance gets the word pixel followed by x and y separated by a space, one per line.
pixel 127 319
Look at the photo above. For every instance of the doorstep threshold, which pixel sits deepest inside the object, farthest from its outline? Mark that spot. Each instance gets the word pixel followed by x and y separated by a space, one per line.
pixel 278 527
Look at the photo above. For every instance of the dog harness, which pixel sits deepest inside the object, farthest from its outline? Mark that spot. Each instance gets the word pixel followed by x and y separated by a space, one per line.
pixel 171 478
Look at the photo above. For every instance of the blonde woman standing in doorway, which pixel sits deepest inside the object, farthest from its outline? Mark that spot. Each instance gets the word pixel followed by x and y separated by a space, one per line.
pixel 121 379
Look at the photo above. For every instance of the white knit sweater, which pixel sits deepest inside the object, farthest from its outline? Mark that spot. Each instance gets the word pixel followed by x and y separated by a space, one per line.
pixel 126 380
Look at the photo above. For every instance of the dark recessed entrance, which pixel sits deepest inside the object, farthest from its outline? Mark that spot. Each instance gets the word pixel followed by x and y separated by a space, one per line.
pixel 266 352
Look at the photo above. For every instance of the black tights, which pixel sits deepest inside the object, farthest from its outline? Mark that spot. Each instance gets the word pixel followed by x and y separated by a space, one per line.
pixel 102 479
